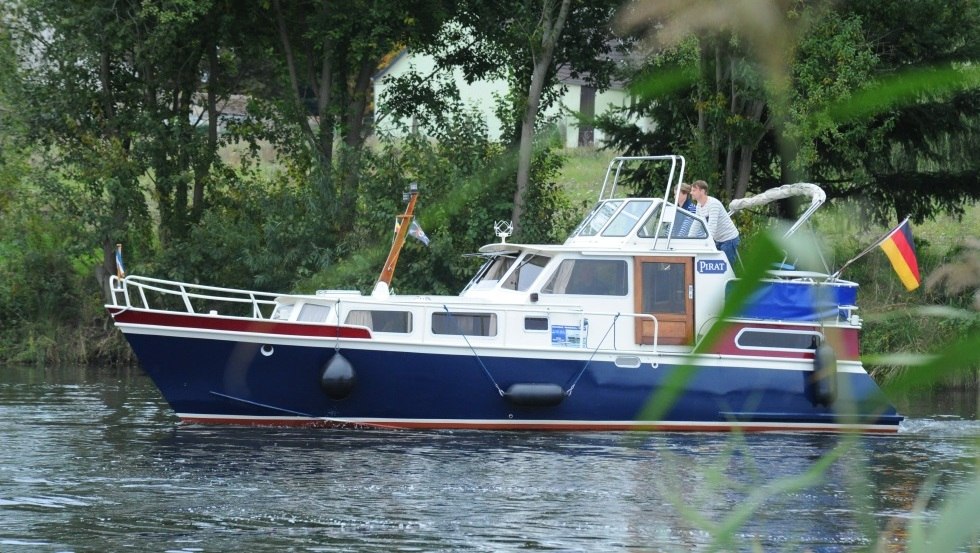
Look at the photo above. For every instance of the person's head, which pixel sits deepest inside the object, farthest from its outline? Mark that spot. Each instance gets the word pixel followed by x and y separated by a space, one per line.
pixel 684 193
pixel 699 190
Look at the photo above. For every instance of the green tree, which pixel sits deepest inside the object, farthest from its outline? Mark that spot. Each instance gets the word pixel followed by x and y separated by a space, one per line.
pixel 525 43
pixel 112 90
pixel 866 99
pixel 923 108
pixel 319 60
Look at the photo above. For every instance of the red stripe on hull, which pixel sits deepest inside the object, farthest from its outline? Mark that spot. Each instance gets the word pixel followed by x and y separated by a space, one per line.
pixel 843 340
pixel 543 426
pixel 212 322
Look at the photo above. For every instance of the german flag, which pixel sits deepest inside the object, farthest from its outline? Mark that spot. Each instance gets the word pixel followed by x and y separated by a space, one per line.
pixel 900 249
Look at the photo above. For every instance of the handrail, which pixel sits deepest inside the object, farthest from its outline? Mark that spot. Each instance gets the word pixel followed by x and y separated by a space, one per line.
pixel 186 292
pixel 529 310
pixel 675 177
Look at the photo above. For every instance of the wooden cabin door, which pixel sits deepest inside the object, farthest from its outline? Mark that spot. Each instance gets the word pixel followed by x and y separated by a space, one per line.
pixel 665 289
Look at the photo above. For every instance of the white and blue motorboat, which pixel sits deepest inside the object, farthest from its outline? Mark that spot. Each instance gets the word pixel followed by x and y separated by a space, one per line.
pixel 603 332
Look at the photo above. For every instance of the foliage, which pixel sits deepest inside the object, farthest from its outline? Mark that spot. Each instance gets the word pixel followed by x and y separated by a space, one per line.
pixel 108 100
pixel 317 62
pixel 261 232
pixel 526 49
pixel 872 98
pixel 465 183
pixel 46 285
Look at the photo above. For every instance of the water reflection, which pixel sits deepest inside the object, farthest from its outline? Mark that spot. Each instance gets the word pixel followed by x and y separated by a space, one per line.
pixel 93 460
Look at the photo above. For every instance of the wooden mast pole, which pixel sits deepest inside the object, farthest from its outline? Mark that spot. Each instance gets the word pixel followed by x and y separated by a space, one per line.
pixel 404 222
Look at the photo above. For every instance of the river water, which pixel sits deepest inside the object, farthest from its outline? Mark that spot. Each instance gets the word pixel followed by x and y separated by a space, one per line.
pixel 93 460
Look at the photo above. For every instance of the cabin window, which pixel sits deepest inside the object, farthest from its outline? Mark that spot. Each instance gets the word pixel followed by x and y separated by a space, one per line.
pixel 282 312
pixel 598 277
pixel 468 324
pixel 627 218
pixel 492 271
pixel 382 321
pixel 528 270
pixel 598 219
pixel 664 287
pixel 685 225
pixel 774 339
pixel 535 323
pixel 313 313
pixel 498 268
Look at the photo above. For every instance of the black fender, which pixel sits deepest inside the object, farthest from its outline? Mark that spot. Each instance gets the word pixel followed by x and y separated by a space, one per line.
pixel 337 377
pixel 822 382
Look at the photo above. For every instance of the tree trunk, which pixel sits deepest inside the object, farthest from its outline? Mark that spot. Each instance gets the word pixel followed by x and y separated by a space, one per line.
pixel 324 96
pixel 744 171
pixel 203 167
pixel 551 27
pixel 301 118
pixel 731 147
pixel 755 111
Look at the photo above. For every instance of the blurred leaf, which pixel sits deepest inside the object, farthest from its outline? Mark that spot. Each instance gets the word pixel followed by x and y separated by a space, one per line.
pixel 905 88
pixel 960 356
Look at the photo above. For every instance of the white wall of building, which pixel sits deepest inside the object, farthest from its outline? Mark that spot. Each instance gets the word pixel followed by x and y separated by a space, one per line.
pixel 481 96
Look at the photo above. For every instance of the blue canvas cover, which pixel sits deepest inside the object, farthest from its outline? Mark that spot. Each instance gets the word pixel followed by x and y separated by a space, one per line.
pixel 799 301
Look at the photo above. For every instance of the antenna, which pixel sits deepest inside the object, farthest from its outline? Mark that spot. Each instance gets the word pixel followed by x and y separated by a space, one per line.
pixel 503 229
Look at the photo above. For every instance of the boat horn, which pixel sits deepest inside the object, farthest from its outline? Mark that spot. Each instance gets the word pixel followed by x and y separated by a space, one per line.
pixel 337 378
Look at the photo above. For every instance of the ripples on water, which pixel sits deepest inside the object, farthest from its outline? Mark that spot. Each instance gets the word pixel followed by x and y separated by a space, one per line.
pixel 95 461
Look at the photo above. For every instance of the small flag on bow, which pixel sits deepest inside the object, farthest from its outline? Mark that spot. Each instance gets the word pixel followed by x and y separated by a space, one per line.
pixel 900 249
pixel 120 270
pixel 415 230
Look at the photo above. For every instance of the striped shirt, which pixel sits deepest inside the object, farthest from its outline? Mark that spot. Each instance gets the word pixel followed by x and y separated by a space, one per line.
pixel 720 225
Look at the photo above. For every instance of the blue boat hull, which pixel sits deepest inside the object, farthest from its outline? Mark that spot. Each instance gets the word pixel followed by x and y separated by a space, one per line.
pixel 222 381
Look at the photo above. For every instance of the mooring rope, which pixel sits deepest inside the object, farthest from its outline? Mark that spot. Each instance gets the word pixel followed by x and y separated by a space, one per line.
pixel 475 354
pixel 337 421
pixel 568 392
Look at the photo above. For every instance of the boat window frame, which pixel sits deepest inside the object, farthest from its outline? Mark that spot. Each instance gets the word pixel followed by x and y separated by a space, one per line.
pixel 668 227
pixel 549 285
pixel 586 224
pixel 408 318
pixel 492 329
pixel 282 312
pixel 624 214
pixel 318 312
pixel 515 278
pixel 479 282
pixel 547 323
pixel 818 336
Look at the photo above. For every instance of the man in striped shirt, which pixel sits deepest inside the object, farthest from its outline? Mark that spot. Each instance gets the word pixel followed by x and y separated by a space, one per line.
pixel 720 226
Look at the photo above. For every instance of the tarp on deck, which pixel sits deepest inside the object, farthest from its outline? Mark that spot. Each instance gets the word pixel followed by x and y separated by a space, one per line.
pixel 799 300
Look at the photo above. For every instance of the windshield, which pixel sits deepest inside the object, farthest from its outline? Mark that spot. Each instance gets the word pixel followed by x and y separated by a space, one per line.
pixel 528 270
pixel 492 271
pixel 627 218
pixel 598 218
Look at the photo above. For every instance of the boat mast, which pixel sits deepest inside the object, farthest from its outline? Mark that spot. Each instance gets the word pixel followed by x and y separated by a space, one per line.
pixel 404 221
